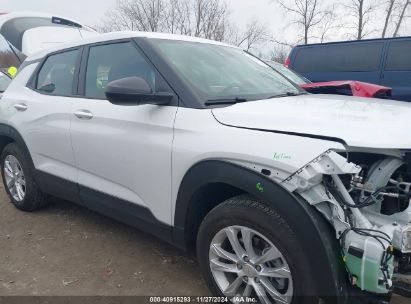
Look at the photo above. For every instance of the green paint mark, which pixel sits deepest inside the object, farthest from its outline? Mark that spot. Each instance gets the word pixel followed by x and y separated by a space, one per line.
pixel 281 156
pixel 259 187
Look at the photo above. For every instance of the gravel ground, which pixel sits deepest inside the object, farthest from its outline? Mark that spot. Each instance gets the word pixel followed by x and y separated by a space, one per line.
pixel 67 250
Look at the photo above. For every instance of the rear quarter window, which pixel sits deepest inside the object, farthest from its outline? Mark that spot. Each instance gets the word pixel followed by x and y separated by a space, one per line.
pixel 57 74
pixel 399 56
pixel 354 57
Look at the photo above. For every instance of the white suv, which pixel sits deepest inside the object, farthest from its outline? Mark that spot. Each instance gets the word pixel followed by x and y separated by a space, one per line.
pixel 284 196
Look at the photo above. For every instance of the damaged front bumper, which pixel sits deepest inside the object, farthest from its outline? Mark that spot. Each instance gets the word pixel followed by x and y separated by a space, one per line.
pixel 367 201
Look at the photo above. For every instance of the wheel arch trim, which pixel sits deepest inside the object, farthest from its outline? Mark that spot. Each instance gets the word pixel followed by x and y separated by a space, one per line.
pixel 11 132
pixel 311 228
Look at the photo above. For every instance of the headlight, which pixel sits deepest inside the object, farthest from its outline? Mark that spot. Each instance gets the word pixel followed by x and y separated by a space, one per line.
pixel 402 239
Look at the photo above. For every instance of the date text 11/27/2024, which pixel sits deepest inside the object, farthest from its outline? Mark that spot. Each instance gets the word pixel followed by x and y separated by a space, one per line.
pixel 201 300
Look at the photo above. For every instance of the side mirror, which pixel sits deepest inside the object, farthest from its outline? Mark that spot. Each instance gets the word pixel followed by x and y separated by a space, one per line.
pixel 134 91
pixel 48 88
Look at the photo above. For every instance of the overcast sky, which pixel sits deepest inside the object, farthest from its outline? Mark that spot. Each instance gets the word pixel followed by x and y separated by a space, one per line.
pixel 90 13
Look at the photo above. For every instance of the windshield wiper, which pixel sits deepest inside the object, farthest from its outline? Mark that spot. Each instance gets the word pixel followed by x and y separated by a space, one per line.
pixel 287 94
pixel 231 101
pixel 228 101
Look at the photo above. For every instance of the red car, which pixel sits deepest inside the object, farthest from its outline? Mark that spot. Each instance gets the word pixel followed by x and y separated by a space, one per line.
pixel 340 87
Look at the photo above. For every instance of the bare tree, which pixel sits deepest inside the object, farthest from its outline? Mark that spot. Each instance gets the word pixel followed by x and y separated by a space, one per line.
pixel 200 18
pixel 141 15
pixel 389 10
pixel 254 33
pixel 307 14
pixel 210 19
pixel 329 23
pixel 362 11
pixel 175 17
pixel 279 53
pixel 405 5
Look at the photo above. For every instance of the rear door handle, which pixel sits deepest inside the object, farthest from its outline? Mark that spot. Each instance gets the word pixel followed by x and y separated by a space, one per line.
pixel 83 114
pixel 21 107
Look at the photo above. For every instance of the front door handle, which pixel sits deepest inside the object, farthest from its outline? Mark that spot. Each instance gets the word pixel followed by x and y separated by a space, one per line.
pixel 83 114
pixel 21 107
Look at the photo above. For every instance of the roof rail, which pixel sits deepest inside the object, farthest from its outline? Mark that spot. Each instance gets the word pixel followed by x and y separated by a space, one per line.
pixel 354 41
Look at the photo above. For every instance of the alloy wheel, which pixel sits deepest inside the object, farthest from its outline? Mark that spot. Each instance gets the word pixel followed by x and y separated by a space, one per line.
pixel 244 263
pixel 14 176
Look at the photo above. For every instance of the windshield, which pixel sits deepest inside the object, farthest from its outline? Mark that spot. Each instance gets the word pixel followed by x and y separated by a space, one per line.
pixel 219 72
pixel 290 74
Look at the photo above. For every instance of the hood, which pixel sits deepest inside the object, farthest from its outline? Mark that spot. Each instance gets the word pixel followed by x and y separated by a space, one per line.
pixel 359 122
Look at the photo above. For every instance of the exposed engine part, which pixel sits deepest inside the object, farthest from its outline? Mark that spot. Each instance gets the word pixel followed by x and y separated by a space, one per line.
pixel 403 263
pixel 369 259
pixel 368 251
pixel 368 204
pixel 308 183
pixel 360 220
pixel 380 173
pixel 328 163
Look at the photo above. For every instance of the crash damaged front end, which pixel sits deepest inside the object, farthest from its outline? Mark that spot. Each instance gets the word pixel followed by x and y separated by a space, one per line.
pixel 365 196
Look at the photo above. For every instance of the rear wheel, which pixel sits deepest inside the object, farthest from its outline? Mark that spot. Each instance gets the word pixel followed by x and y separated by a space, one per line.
pixel 18 180
pixel 245 249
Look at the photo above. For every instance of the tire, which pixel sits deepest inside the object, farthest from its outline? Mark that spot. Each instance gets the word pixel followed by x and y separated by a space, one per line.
pixel 243 212
pixel 26 195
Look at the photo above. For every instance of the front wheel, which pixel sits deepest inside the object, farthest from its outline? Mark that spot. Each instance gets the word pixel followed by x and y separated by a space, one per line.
pixel 245 249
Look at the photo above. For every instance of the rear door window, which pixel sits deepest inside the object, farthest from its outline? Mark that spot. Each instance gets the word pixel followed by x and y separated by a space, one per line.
pixel 57 74
pixel 353 57
pixel 399 58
